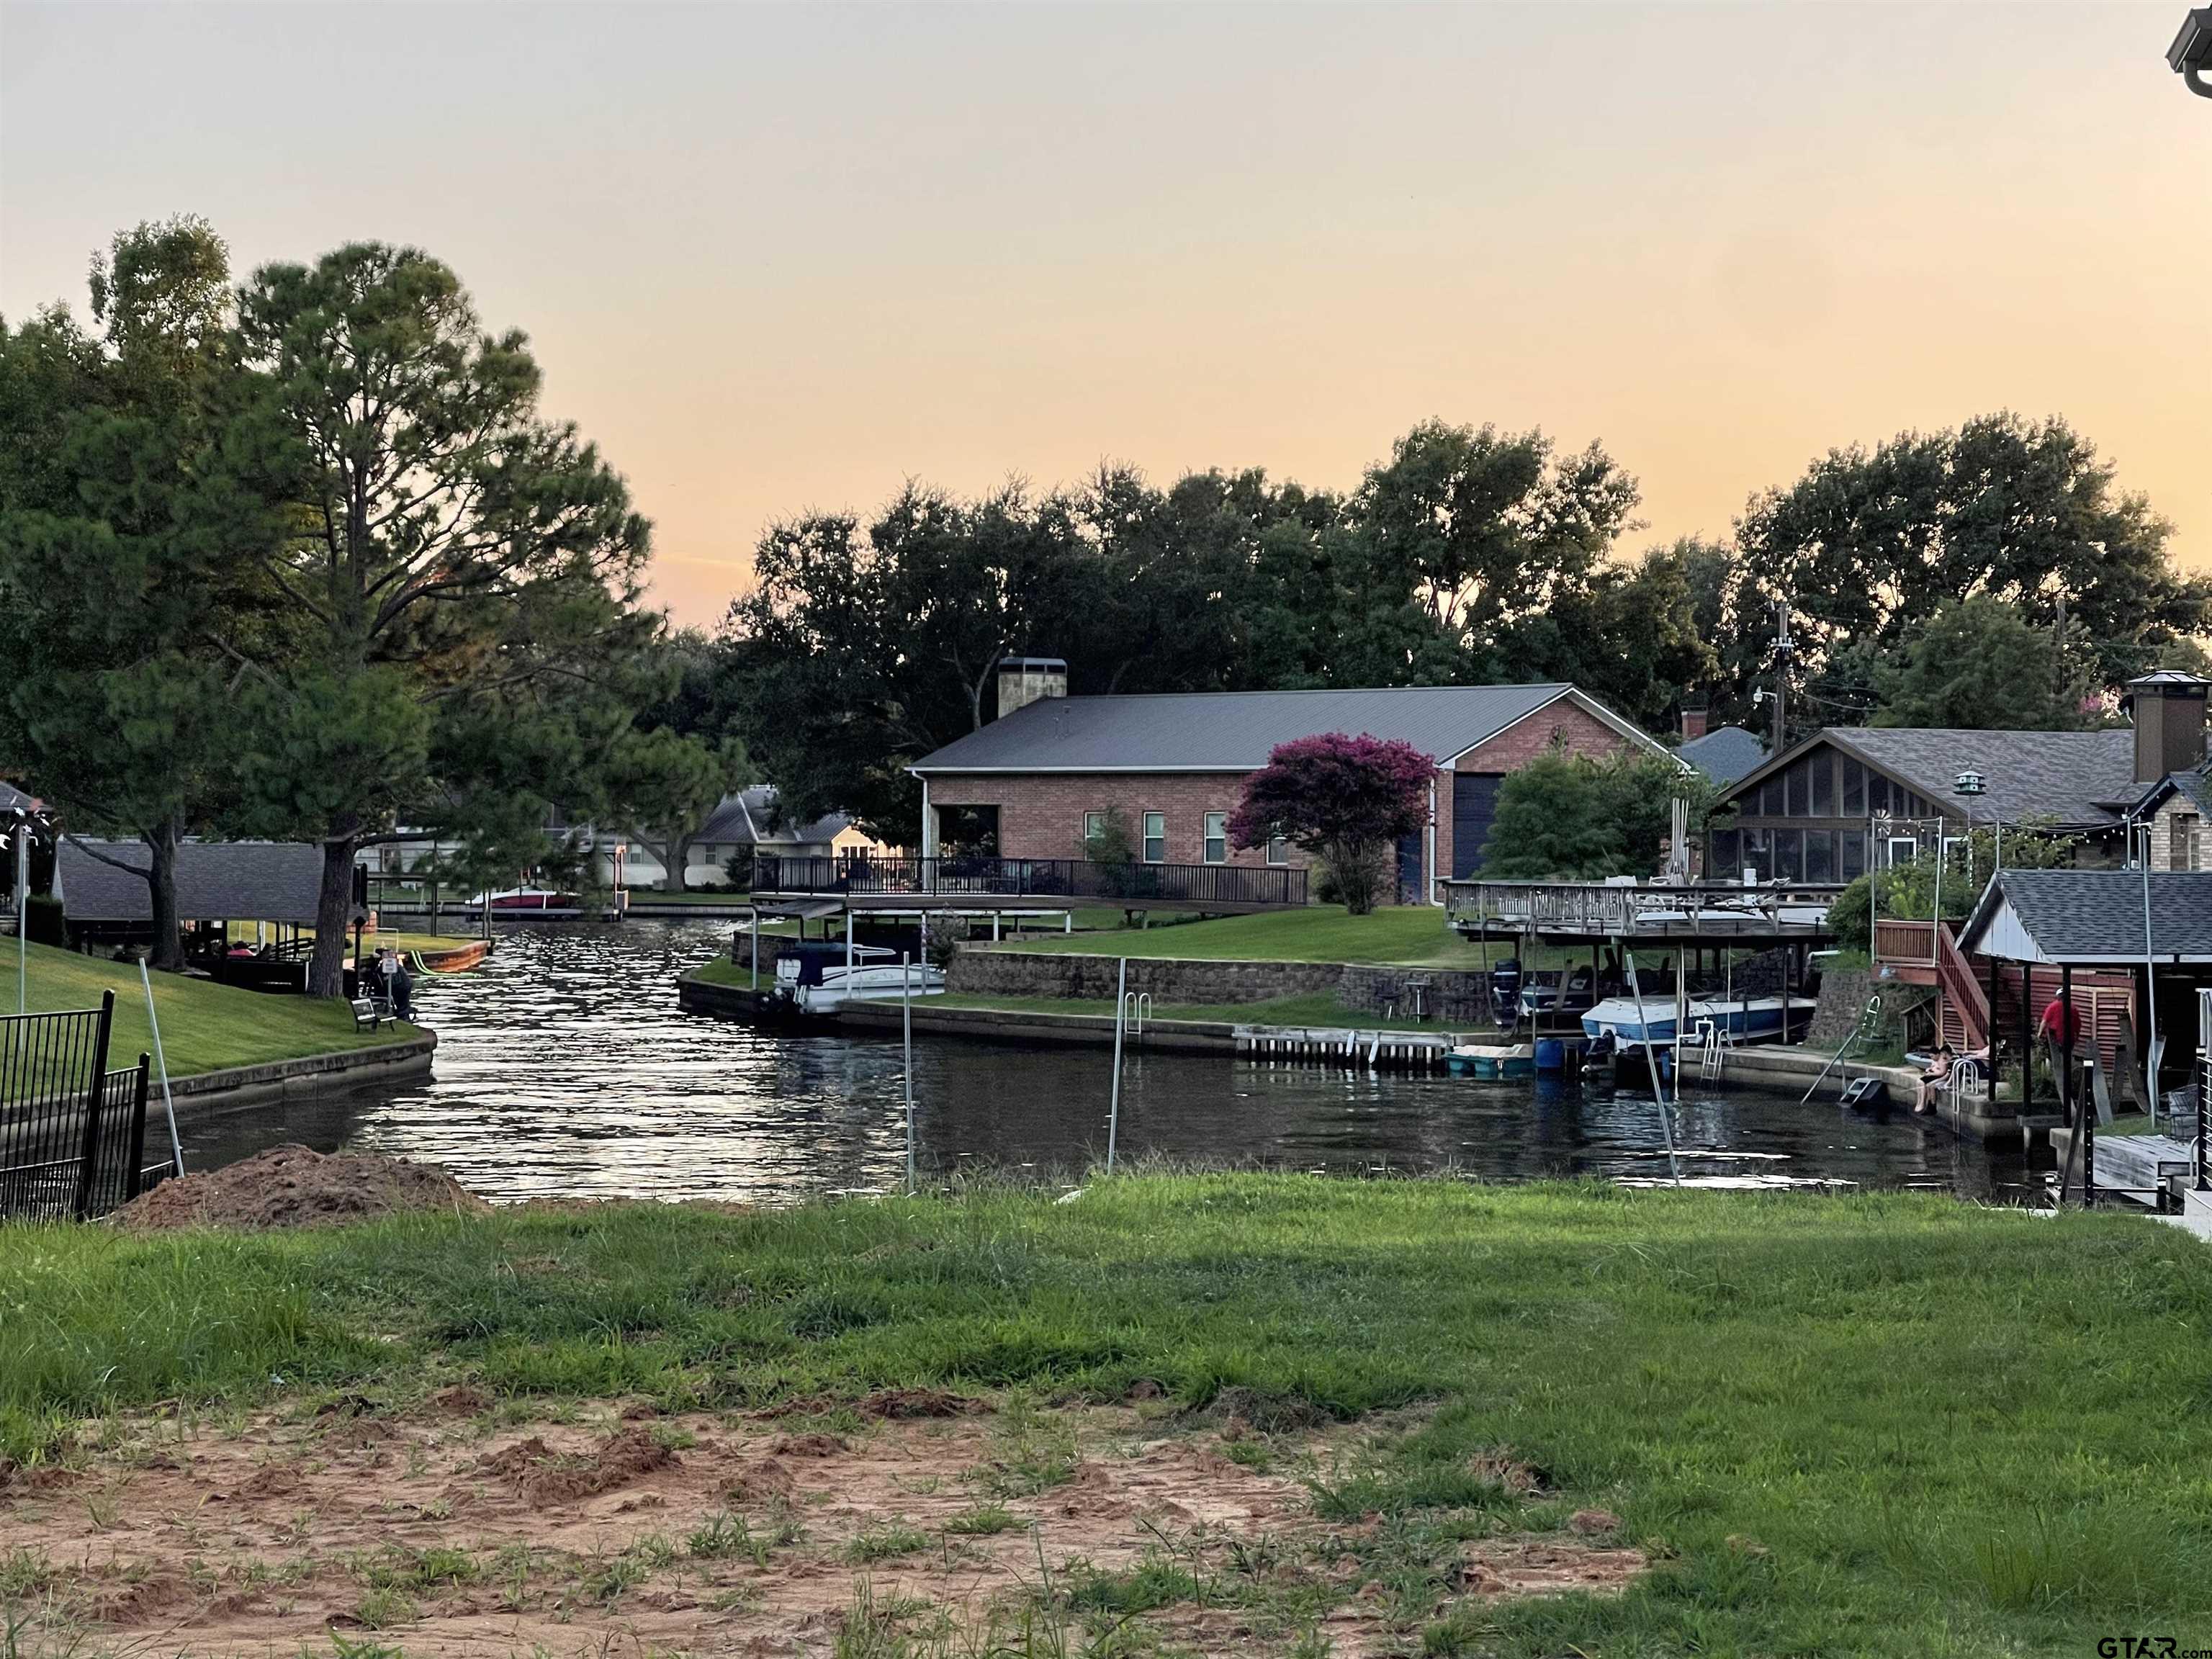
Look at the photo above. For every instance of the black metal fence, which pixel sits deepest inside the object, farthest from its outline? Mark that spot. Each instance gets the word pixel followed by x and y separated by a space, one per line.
pixel 997 879
pixel 72 1133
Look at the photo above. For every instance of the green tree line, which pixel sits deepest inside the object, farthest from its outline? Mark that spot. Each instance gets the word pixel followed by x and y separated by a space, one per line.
pixel 1992 574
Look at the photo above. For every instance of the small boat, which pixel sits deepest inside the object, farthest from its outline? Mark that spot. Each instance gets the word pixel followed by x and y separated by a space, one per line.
pixel 815 979
pixel 527 898
pixel 458 960
pixel 1752 1019
pixel 1491 1061
pixel 1557 994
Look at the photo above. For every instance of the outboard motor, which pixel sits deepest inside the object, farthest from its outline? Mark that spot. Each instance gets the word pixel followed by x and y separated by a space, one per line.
pixel 1505 991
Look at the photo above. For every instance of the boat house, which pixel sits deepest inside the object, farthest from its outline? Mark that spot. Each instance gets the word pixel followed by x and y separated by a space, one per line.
pixel 218 883
pixel 1039 780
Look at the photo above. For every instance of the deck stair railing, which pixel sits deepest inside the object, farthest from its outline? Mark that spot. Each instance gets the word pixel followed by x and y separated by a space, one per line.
pixel 2104 999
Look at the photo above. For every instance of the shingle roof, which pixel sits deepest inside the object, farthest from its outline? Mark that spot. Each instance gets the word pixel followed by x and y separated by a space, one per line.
pixel 1234 731
pixel 11 798
pixel 750 816
pixel 1725 753
pixel 2078 780
pixel 231 880
pixel 2097 916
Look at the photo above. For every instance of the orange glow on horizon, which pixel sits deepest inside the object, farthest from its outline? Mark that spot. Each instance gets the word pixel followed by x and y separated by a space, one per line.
pixel 775 259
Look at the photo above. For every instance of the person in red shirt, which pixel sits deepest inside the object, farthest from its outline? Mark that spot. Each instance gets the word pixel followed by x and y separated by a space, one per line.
pixel 2061 1023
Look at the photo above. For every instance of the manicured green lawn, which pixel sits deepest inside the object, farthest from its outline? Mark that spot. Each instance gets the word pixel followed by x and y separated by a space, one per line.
pixel 205 1027
pixel 1877 1424
pixel 1415 935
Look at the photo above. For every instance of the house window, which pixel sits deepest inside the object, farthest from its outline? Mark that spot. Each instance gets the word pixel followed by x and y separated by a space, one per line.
pixel 1279 850
pixel 1727 846
pixel 1156 838
pixel 1824 787
pixel 1094 825
pixel 1754 854
pixel 2181 851
pixel 1790 855
pixel 1851 844
pixel 1855 782
pixel 1820 855
pixel 1217 837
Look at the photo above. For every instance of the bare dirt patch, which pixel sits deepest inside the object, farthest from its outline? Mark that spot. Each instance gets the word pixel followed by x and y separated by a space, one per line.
pixel 296 1187
pixel 693 1533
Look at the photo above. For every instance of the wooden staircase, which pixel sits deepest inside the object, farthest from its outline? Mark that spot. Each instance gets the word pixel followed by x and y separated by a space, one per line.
pixel 2106 1002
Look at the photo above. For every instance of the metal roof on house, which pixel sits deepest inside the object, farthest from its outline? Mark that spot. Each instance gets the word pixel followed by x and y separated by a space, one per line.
pixel 12 798
pixel 1234 731
pixel 2078 780
pixel 216 881
pixel 1725 753
pixel 749 818
pixel 2092 917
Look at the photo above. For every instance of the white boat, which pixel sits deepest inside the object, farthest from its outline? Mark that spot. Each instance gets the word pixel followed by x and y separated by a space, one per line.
pixel 510 900
pixel 814 980
pixel 1741 1019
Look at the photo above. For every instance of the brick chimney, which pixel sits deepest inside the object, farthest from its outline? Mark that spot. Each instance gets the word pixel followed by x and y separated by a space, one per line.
pixel 1025 680
pixel 2168 709
pixel 1694 721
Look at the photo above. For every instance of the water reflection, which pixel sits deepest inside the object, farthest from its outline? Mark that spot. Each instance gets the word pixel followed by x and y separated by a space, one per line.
pixel 565 1068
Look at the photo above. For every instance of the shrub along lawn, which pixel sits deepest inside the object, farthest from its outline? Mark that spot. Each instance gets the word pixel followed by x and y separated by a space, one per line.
pixel 205 1027
pixel 1890 1425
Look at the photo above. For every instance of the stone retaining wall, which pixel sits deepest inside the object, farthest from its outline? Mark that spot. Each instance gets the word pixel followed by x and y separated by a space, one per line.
pixel 1450 997
pixel 1168 979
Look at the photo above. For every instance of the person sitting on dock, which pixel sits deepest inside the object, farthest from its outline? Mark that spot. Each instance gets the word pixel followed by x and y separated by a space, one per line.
pixel 1933 1076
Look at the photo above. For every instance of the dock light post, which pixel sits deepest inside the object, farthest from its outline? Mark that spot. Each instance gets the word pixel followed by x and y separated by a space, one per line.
pixel 2191 54
pixel 18 828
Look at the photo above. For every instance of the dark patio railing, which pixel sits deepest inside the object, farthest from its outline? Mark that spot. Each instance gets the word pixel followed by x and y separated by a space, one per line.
pixel 997 879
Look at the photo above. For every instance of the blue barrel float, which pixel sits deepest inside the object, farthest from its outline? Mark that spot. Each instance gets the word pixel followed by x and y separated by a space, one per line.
pixel 1551 1055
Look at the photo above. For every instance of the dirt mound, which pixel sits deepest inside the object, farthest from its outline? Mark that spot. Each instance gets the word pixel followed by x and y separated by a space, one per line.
pixel 296 1187
pixel 546 1477
pixel 884 1405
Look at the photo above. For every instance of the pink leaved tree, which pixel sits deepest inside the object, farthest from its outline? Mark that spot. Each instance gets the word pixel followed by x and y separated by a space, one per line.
pixel 1345 799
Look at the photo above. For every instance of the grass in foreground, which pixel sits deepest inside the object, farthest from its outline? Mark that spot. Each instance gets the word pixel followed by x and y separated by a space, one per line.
pixel 205 1027
pixel 1872 1425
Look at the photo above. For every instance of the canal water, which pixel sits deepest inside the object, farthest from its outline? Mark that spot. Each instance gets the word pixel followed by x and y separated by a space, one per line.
pixel 565 1068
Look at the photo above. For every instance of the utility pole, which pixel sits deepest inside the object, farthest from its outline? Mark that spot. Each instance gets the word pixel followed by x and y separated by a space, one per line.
pixel 1782 649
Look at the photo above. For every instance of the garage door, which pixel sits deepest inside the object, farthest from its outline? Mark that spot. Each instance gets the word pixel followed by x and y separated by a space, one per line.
pixel 1474 802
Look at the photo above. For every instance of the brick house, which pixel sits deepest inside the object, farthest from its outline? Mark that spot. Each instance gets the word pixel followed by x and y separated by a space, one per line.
pixel 1033 782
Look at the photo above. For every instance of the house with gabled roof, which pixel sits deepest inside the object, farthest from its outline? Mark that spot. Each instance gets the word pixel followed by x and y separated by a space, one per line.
pixel 1844 797
pixel 1039 780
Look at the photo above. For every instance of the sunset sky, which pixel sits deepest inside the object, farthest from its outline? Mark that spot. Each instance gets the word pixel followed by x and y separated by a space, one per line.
pixel 781 258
